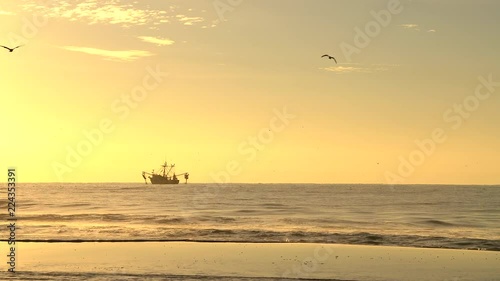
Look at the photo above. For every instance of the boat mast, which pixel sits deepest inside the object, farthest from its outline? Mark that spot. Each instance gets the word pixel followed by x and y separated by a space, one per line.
pixel 164 168
pixel 169 170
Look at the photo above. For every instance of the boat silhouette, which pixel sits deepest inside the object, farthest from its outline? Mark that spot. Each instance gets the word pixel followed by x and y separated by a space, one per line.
pixel 166 175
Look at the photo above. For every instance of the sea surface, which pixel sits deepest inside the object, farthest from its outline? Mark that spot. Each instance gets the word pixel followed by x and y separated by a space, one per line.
pixel 435 216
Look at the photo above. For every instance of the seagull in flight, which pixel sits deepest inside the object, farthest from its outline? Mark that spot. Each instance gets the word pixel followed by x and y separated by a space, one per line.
pixel 11 49
pixel 329 57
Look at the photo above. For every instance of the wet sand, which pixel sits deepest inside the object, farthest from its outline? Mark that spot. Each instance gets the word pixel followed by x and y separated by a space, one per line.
pixel 266 260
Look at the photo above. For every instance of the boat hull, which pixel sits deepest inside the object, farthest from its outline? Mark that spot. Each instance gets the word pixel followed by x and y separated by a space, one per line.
pixel 157 179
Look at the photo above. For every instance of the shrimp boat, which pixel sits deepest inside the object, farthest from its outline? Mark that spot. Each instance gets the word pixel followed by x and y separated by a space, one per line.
pixel 166 175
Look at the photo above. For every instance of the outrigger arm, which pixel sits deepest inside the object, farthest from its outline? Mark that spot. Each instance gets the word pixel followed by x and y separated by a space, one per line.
pixel 186 176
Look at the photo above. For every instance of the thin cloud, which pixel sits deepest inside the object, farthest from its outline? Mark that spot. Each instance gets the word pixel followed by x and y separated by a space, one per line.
pixel 189 20
pixel 114 12
pixel 213 24
pixel 156 40
pixel 346 69
pixel 410 26
pixel 102 11
pixel 127 55
pixel 415 27
pixel 360 69
pixel 6 13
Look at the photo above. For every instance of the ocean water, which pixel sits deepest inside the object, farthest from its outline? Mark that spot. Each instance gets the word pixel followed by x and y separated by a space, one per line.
pixel 461 217
pixel 435 216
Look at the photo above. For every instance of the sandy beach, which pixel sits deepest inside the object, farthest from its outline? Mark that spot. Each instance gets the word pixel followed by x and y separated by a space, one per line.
pixel 256 260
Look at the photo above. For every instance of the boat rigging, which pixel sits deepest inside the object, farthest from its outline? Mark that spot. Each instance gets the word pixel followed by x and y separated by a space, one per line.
pixel 166 175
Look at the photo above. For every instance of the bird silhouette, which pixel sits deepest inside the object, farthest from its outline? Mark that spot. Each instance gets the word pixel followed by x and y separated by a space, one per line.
pixel 329 57
pixel 11 49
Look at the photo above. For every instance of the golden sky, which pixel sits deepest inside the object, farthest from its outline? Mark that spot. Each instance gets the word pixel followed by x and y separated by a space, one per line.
pixel 237 91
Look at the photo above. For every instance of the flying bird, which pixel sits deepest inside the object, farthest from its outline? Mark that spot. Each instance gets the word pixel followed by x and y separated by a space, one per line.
pixel 329 57
pixel 11 49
